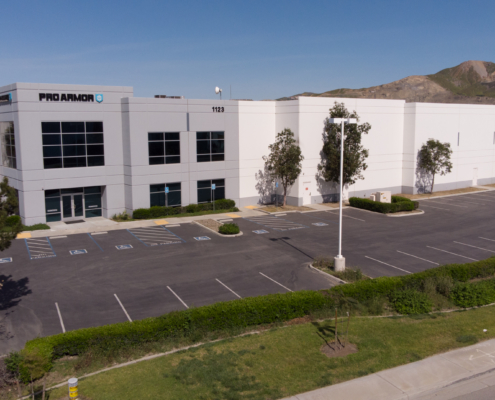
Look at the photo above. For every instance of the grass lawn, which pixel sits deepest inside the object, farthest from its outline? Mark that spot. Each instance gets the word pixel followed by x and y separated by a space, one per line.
pixel 441 193
pixel 274 208
pixel 285 361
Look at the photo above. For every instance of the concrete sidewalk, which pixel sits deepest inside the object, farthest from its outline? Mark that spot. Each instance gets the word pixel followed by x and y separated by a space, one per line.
pixel 436 377
pixel 100 224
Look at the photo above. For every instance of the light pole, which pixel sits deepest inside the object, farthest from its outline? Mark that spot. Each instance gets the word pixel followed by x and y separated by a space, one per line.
pixel 339 260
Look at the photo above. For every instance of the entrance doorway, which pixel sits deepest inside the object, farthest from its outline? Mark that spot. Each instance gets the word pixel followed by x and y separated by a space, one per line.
pixel 72 206
pixel 307 193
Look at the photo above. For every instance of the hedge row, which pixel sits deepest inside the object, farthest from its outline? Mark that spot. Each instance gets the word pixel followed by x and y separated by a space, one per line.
pixel 404 292
pixel 220 316
pixel 159 211
pixel 398 204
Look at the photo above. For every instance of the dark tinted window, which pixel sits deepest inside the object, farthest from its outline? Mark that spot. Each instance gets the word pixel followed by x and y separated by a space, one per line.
pixel 51 139
pixel 72 127
pixel 158 197
pixel 155 136
pixel 163 148
pixel 202 135
pixel 94 127
pixel 82 144
pixel 50 127
pixel 94 138
pixel 210 146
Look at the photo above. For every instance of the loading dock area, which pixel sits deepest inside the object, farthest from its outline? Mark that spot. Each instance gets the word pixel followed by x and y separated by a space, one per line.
pixel 69 282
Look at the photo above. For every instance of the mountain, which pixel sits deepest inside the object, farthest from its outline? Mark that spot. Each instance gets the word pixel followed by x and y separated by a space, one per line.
pixel 471 82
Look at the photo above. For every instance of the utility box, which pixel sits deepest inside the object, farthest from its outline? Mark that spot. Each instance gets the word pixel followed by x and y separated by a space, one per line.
pixel 383 197
pixel 373 197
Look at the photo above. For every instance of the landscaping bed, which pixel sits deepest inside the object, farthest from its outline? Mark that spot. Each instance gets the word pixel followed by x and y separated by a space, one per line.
pixel 222 205
pixel 279 362
pixel 442 193
pixel 398 204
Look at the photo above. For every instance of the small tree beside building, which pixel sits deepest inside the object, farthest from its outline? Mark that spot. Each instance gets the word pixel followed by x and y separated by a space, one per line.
pixel 284 162
pixel 434 159
pixel 10 226
pixel 355 154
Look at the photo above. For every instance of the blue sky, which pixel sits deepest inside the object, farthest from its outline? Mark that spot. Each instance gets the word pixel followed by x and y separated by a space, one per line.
pixel 264 49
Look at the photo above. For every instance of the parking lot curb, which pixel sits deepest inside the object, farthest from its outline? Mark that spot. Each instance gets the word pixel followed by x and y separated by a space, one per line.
pixel 218 233
pixel 405 215
pixel 334 278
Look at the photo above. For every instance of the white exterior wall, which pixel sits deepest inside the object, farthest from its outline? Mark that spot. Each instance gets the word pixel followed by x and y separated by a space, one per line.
pixel 397 132
pixel 476 148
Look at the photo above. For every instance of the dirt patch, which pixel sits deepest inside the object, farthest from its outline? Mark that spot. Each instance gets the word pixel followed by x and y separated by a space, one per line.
pixel 491 185
pixel 300 320
pixel 335 205
pixel 273 208
pixel 331 351
pixel 210 223
pixel 441 193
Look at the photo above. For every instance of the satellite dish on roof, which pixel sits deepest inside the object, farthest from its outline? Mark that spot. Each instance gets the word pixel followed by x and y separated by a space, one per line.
pixel 218 90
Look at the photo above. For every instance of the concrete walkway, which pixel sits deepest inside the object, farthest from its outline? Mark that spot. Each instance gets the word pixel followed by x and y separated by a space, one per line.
pixel 100 224
pixel 444 376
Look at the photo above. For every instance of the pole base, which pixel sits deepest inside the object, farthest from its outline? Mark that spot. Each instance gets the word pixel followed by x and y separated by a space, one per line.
pixel 339 264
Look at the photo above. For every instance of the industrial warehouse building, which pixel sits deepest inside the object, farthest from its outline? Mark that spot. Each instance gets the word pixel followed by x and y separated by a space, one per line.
pixel 76 151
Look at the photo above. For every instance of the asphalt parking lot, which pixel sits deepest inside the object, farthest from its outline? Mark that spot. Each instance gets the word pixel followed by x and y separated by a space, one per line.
pixel 59 284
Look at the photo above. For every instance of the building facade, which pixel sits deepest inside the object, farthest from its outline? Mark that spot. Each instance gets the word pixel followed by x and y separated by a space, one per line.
pixel 75 151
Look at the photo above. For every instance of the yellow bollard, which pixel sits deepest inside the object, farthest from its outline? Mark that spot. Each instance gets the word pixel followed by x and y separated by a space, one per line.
pixel 73 389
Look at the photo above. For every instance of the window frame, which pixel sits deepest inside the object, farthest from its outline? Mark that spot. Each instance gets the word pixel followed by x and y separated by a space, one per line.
pixel 78 142
pixel 205 140
pixel 206 188
pixel 165 197
pixel 9 155
pixel 163 158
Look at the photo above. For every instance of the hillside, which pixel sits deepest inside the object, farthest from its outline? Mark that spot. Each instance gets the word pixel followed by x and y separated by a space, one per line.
pixel 471 82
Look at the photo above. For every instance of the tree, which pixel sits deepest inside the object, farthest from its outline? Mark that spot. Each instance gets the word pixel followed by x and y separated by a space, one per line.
pixel 354 153
pixel 284 161
pixel 434 158
pixel 8 206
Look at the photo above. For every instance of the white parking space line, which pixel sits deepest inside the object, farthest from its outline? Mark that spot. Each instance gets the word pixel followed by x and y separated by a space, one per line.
pixel 419 258
pixel 275 223
pixel 485 197
pixel 175 294
pixel 465 244
pixel 273 280
pixel 123 309
pixel 448 204
pixel 223 284
pixel 60 317
pixel 491 240
pixel 393 266
pixel 438 208
pixel 445 251
pixel 347 216
pixel 463 200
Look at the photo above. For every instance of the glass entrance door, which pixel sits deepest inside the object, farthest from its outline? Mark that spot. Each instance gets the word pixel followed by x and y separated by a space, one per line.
pixel 72 206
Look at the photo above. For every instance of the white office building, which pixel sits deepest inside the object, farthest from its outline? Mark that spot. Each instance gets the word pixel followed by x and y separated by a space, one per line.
pixel 76 151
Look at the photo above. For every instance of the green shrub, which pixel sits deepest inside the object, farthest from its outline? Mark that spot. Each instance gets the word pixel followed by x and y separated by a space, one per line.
pixel 224 204
pixel 410 302
pixel 229 229
pixel 474 294
pixel 13 220
pixel 157 212
pixel 191 208
pixel 141 213
pixel 398 204
pixel 35 227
